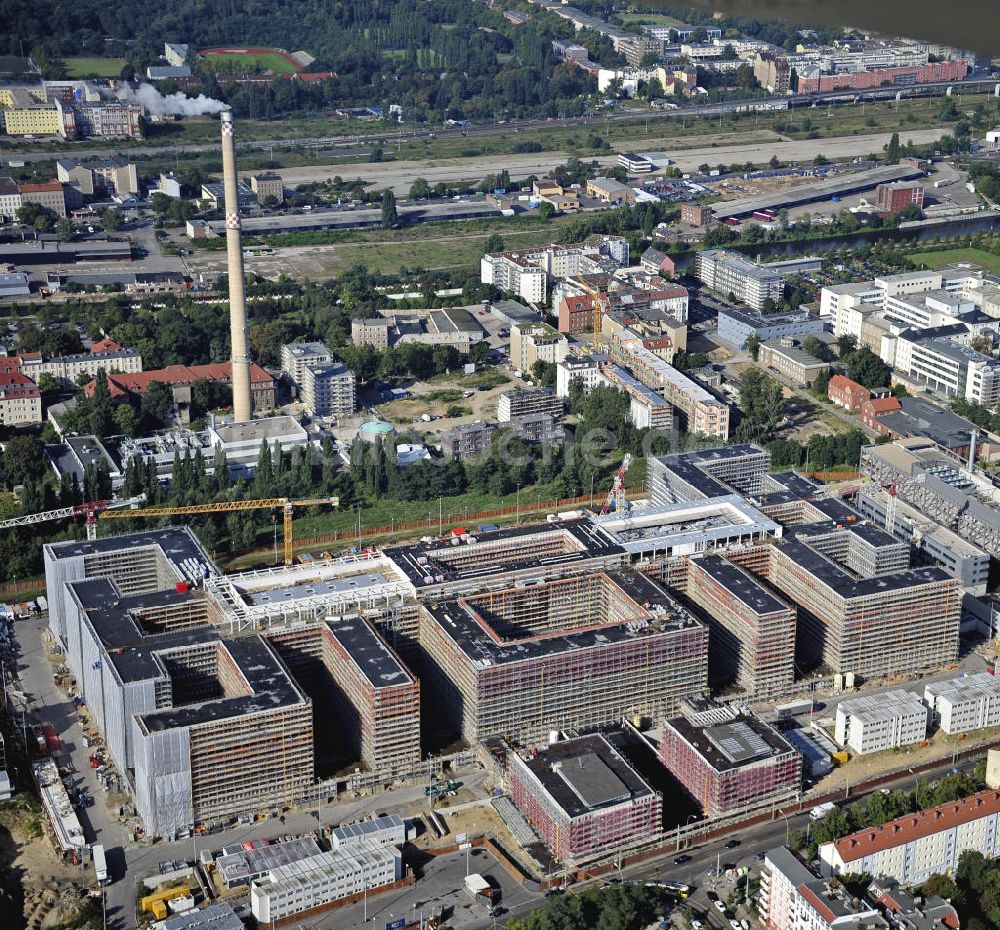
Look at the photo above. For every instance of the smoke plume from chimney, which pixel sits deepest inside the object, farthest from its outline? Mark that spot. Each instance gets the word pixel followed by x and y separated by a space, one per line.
pixel 156 104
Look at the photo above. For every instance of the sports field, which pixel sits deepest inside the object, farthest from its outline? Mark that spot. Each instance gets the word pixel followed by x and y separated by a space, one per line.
pixel 93 67
pixel 268 59
pixel 940 258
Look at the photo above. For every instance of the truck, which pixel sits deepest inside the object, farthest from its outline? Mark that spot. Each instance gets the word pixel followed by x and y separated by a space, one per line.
pixel 793 709
pixel 481 891
pixel 100 865
pixel 52 744
pixel 821 810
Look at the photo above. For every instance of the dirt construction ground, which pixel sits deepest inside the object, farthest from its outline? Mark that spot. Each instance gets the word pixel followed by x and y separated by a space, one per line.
pixel 757 146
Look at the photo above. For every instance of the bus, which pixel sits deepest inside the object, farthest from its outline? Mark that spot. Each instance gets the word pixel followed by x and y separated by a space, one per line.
pixel 100 865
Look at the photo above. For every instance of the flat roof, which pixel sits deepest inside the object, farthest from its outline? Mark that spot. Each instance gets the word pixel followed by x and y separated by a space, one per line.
pixel 586 774
pixel 426 563
pixel 656 613
pixel 369 652
pixel 741 741
pixel 178 544
pixel 740 584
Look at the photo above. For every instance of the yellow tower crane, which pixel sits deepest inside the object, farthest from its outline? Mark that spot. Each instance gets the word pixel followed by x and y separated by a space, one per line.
pixel 284 504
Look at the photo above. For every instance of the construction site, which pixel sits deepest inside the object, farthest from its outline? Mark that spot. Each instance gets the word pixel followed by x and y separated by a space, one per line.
pixel 231 695
pixel 576 652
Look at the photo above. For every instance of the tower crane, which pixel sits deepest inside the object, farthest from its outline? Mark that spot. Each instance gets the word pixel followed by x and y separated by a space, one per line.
pixel 284 504
pixel 616 495
pixel 89 510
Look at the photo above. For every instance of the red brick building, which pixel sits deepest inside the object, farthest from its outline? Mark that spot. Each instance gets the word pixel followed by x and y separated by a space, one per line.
pixel 576 314
pixel 695 215
pixel 865 80
pixel 872 409
pixel 895 198
pixel 847 393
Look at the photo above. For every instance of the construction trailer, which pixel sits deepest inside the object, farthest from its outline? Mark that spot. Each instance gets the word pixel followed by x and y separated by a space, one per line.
pixel 579 651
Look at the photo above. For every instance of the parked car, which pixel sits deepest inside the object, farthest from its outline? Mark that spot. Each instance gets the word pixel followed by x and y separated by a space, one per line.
pixel 732 844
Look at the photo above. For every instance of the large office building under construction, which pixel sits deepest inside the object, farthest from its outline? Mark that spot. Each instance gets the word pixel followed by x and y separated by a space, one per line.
pixel 578 651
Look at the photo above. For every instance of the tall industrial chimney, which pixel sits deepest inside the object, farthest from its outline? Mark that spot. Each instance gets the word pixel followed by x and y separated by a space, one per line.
pixel 237 284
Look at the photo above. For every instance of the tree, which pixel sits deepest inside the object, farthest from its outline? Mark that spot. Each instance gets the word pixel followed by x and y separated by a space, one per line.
pixel 495 243
pixel 126 420
pixel 389 216
pixel 752 345
pixel 546 211
pixel 814 347
pixel 846 344
pixel 892 149
pixel 420 189
pixel 112 219
pixel 763 406
pixel 24 459
pixel 865 367
pixel 157 406
pixel 65 229
pixel 101 420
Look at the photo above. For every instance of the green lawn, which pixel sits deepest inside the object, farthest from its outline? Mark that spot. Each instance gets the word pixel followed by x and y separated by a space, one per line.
pixel 656 19
pixel 93 67
pixel 269 61
pixel 939 259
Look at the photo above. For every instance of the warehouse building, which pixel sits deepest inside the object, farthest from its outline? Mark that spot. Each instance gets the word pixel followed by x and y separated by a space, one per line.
pixel 874 723
pixel 728 760
pixel 912 848
pixel 583 798
pixel 580 651
pixel 751 632
pixel 961 705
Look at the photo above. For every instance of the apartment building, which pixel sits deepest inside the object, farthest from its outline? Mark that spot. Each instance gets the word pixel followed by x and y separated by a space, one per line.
pixel 509 272
pixel 329 390
pixel 27 111
pixel 730 761
pixel 875 723
pixel 752 284
pixel 965 704
pixel 298 356
pixel 912 848
pixel 468 440
pixel 109 120
pixel 513 404
pixel 583 368
pixel 72 367
pixel 536 342
pixel 583 797
pixel 103 177
pixel 700 410
pixel 48 194
pixel 20 400
pixel 793 897
pixel 647 409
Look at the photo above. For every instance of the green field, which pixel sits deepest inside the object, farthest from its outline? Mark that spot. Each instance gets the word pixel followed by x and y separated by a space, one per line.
pixel 267 61
pixel 93 67
pixel 939 259
pixel 654 19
